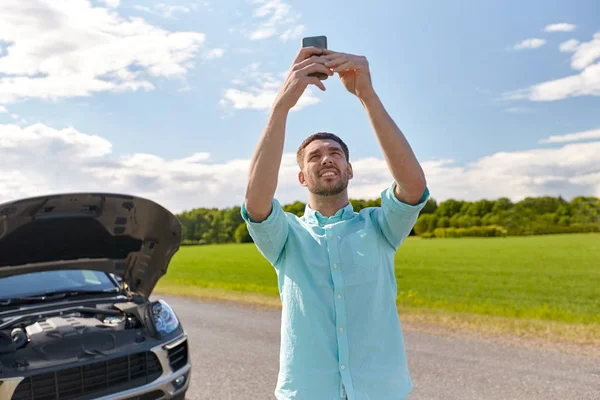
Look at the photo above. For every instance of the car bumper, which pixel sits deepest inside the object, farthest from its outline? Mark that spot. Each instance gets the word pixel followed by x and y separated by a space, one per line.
pixel 170 385
pixel 166 386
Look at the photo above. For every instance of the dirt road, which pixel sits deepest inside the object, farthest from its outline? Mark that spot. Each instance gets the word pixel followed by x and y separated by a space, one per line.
pixel 235 354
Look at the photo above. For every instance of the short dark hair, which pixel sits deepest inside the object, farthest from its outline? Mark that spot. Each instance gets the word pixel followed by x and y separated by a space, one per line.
pixel 317 136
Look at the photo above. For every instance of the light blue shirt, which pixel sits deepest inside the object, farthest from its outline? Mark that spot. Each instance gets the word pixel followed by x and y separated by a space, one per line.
pixel 340 330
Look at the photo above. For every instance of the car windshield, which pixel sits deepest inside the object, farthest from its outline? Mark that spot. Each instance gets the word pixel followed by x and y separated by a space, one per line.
pixel 53 281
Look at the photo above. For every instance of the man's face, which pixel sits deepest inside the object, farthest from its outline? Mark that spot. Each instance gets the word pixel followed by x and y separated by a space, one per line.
pixel 326 171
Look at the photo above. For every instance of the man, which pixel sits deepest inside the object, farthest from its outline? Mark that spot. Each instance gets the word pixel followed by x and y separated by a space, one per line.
pixel 340 332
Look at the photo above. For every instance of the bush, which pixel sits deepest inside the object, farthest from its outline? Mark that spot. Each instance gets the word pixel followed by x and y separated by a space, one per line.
pixel 190 242
pixel 425 223
pixel 241 234
pixel 565 220
pixel 432 223
pixel 443 222
pixel 500 231
pixel 538 229
pixel 474 231
pixel 490 219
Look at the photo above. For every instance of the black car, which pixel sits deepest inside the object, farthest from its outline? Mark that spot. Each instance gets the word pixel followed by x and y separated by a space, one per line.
pixel 76 318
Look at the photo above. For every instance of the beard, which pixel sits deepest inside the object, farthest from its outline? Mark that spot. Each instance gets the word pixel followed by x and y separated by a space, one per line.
pixel 321 188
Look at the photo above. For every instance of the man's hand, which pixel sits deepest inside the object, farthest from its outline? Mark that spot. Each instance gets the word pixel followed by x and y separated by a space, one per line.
pixel 308 61
pixel 353 71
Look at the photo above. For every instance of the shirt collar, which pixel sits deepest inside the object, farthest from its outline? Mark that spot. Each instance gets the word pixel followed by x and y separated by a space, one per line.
pixel 315 217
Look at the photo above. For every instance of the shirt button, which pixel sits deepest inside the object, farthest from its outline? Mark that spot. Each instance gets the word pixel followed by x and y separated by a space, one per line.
pixel 343 366
pixel 334 265
pixel 339 296
pixel 330 235
pixel 341 329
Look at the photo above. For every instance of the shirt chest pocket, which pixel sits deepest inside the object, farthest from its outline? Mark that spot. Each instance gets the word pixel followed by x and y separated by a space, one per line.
pixel 361 253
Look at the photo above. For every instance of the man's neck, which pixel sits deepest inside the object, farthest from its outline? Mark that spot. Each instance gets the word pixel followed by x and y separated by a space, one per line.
pixel 328 205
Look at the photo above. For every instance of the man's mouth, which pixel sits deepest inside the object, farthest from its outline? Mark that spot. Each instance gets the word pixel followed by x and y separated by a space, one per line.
pixel 329 173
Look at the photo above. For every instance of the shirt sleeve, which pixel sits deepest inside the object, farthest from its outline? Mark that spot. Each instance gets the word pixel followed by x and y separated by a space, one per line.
pixel 395 218
pixel 271 234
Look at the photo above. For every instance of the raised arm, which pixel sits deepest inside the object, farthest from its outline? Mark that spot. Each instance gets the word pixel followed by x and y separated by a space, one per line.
pixel 404 167
pixel 401 160
pixel 266 161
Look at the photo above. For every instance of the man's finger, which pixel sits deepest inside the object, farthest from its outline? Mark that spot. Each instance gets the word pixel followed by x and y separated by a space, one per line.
pixel 307 52
pixel 311 60
pixel 339 60
pixel 317 82
pixel 344 66
pixel 335 54
pixel 316 67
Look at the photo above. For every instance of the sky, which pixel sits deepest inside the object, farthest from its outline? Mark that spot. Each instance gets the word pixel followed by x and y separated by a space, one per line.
pixel 167 100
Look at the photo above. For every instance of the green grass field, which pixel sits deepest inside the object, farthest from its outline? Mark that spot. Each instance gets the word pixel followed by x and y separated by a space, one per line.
pixel 545 280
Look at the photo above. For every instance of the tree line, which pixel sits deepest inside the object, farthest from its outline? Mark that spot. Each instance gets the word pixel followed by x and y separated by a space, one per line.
pixel 530 216
pixel 449 218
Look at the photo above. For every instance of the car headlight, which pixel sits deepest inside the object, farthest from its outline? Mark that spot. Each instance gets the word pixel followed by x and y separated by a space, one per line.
pixel 164 319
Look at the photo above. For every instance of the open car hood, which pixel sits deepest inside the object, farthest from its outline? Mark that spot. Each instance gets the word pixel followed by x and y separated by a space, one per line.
pixel 131 237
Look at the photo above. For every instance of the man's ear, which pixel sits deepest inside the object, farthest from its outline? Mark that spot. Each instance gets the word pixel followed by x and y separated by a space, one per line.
pixel 350 172
pixel 301 178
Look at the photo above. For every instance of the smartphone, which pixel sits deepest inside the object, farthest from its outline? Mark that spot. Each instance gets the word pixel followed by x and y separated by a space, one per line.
pixel 320 42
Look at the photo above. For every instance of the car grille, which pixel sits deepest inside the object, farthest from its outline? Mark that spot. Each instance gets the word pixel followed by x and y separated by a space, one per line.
pixel 178 356
pixel 102 378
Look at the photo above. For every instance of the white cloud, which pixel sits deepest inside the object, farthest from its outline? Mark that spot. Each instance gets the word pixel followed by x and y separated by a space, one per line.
pixel 71 49
pixel 562 27
pixel 573 137
pixel 166 11
pixel 277 19
pixel 169 11
pixel 293 33
pixel 517 110
pixel 145 9
pixel 519 174
pixel 213 53
pixel 586 53
pixel 533 43
pixel 259 90
pixel 112 3
pixel 39 159
pixel 66 142
pixel 3 109
pixel 569 46
pixel 585 83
